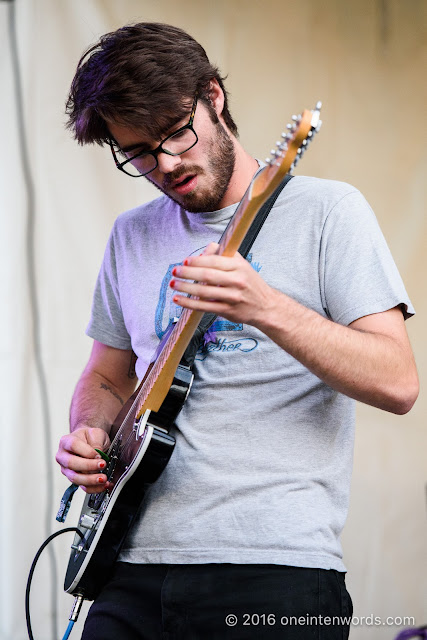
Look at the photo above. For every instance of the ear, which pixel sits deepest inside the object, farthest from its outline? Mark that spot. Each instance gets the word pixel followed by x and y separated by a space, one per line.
pixel 216 96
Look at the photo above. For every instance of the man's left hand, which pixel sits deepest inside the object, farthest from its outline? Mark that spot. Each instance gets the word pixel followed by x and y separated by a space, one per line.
pixel 229 287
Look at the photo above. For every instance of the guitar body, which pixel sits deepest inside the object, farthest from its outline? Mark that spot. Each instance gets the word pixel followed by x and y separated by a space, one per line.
pixel 140 443
pixel 138 457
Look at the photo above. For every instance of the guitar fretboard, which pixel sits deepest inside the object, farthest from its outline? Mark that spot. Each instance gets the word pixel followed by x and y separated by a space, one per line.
pixel 285 157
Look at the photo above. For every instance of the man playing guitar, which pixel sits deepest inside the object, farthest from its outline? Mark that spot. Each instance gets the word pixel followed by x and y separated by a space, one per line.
pixel 244 522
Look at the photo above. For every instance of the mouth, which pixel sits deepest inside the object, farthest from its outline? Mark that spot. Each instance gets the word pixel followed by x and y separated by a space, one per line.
pixel 184 185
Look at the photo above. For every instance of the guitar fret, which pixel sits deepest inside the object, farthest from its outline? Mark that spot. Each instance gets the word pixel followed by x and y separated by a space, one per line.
pixel 129 439
pixel 283 159
pixel 162 359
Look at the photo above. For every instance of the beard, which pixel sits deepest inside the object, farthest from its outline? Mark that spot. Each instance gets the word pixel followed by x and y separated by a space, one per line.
pixel 221 161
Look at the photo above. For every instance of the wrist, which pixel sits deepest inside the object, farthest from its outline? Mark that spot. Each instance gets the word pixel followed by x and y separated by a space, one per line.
pixel 273 312
pixel 86 425
pixel 283 318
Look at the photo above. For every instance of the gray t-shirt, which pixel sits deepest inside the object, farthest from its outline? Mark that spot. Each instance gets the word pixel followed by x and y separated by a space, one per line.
pixel 262 465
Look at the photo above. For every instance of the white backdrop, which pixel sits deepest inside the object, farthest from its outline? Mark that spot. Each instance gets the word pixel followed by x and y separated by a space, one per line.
pixel 367 61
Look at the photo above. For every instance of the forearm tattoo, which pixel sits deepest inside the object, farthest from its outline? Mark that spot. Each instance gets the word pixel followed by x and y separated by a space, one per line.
pixel 133 359
pixel 116 395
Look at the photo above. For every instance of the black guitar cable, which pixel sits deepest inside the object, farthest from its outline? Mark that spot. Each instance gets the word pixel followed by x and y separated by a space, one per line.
pixel 78 601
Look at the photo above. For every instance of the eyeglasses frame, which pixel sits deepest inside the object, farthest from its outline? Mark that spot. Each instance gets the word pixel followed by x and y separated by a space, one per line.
pixel 159 148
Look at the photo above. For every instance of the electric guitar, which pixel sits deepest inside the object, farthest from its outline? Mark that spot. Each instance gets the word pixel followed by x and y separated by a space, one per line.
pixel 141 445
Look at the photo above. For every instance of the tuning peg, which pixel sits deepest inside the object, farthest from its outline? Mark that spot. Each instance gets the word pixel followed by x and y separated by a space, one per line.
pixel 318 105
pixel 268 161
pixel 287 135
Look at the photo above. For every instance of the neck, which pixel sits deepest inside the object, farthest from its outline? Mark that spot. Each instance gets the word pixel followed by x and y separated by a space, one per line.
pixel 244 170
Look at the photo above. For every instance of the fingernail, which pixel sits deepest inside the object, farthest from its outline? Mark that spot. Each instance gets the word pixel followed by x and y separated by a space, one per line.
pixel 186 261
pixel 174 271
pixel 101 465
pixel 97 456
pixel 172 283
pixel 101 480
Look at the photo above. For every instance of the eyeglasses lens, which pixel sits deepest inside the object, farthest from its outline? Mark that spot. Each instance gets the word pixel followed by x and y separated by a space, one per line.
pixel 180 141
pixel 176 144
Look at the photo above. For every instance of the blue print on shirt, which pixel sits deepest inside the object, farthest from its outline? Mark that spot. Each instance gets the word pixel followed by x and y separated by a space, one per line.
pixel 223 345
pixel 167 311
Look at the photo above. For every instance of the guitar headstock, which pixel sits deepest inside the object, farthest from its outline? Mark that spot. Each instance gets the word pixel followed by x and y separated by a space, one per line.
pixel 283 159
pixel 295 140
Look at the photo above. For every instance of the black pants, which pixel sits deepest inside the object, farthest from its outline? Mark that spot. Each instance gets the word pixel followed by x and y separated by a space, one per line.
pixel 220 602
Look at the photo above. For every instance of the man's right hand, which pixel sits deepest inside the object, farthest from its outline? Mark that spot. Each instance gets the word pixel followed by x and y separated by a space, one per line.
pixel 79 461
pixel 105 384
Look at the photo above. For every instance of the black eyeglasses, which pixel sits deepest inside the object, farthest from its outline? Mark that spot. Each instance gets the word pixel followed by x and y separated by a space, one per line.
pixel 143 162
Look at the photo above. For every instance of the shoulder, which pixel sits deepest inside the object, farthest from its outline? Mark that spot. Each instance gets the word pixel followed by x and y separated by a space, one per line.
pixel 319 189
pixel 319 200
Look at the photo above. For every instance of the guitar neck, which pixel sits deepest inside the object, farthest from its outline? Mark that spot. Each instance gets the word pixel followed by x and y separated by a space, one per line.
pixel 160 378
pixel 244 215
pixel 284 158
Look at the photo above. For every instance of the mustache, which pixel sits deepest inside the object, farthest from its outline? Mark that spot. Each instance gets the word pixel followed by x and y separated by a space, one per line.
pixel 179 172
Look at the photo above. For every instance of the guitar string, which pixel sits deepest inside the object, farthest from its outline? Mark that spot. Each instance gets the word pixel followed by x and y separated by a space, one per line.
pixel 181 323
pixel 154 373
pixel 149 382
pixel 167 349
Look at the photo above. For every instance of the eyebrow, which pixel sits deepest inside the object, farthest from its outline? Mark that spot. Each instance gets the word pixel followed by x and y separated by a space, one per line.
pixel 145 147
pixel 131 147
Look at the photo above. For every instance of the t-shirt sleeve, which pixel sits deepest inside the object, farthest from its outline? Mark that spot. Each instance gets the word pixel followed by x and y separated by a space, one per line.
pixel 358 275
pixel 106 323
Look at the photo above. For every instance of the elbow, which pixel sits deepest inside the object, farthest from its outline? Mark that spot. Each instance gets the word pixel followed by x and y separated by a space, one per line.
pixel 405 396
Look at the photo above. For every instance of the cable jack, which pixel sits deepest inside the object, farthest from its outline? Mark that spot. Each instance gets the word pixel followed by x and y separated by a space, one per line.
pixel 75 610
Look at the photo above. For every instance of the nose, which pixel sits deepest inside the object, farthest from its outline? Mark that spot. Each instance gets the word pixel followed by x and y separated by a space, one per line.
pixel 167 163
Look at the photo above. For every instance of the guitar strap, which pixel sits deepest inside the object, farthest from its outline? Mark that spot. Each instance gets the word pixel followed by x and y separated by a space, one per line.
pixel 208 319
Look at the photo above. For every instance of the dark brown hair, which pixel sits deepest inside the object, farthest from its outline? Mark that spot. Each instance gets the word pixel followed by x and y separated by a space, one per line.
pixel 143 76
